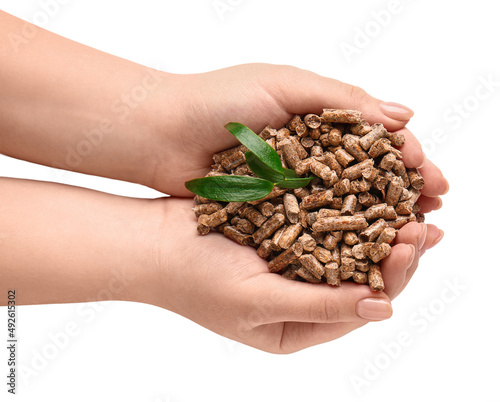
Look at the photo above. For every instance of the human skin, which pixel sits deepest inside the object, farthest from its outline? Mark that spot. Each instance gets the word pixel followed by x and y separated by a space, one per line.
pixel 69 106
pixel 64 244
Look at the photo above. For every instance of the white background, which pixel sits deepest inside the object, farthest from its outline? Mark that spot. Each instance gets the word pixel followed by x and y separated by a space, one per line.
pixel 430 55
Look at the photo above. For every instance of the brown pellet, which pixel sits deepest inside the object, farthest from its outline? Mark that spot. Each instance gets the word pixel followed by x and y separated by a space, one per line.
pixel 289 235
pixel 373 231
pixel 289 152
pixel 387 235
pixel 308 242
pixel 361 128
pixel 380 147
pixel 322 254
pixel 266 209
pixel 239 237
pixel 341 225
pixel 375 278
pixel 207 209
pixel 317 200
pixel 351 145
pixel 254 216
pixel 356 171
pixel 264 249
pixel 301 192
pixel 347 268
pixel 332 274
pixel 375 211
pixel 308 276
pixel 349 205
pixel 269 227
pixel 312 121
pixel 230 162
pixel 309 262
pixel 233 207
pixel 394 191
pixel 291 207
pixel 341 116
pixel 416 180
pixel 379 251
pixel 377 132
pixel 335 137
pixel 360 277
pixel 387 161
pixel 362 264
pixel 245 226
pixel 285 258
pixel 350 238
pixel 218 157
pixel 343 157
pixel 215 219
pixel 331 240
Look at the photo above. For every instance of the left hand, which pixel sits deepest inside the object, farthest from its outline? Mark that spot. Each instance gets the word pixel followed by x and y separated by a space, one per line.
pixel 257 95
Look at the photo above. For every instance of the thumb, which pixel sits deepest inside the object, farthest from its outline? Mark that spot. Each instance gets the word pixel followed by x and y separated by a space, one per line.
pixel 301 91
pixel 321 303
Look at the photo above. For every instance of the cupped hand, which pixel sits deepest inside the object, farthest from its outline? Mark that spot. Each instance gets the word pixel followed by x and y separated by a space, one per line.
pixel 228 289
pixel 257 95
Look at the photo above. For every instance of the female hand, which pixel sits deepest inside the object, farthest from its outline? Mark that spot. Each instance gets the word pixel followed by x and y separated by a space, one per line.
pixel 257 95
pixel 228 289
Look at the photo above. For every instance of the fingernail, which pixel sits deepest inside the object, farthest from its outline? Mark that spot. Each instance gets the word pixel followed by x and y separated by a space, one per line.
pixel 396 111
pixel 412 257
pixel 435 242
pixel 423 161
pixel 447 187
pixel 374 309
pixel 422 235
pixel 439 205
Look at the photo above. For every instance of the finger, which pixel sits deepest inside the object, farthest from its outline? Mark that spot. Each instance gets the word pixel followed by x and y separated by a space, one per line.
pixel 429 204
pixel 412 233
pixel 435 183
pixel 302 91
pixel 394 268
pixel 321 303
pixel 432 236
pixel 407 245
pixel 413 156
pixel 301 335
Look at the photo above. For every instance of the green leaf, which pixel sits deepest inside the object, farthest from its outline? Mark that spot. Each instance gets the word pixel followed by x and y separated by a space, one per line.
pixel 290 174
pixel 257 145
pixel 261 169
pixel 295 183
pixel 230 188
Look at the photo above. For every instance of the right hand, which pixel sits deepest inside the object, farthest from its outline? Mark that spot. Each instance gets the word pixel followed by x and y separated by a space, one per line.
pixel 228 289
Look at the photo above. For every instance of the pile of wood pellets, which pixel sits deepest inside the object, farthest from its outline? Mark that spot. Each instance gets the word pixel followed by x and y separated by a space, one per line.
pixel 342 224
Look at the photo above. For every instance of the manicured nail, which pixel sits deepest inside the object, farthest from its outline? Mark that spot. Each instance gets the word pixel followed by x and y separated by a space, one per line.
pixel 396 111
pixel 412 256
pixel 435 242
pixel 439 205
pixel 374 309
pixel 421 237
pixel 423 161
pixel 447 188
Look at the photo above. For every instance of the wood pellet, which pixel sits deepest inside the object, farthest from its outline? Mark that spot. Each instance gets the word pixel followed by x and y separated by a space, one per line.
pixel 341 226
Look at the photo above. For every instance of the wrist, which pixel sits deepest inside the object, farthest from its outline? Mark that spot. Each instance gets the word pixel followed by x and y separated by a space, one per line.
pixel 153 251
pixel 161 121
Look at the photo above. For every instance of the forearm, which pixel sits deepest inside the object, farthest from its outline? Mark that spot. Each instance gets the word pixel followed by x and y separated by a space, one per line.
pixel 66 105
pixel 61 244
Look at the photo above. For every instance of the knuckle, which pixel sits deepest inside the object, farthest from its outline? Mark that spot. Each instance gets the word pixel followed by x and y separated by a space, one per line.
pixel 329 310
pixel 358 95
